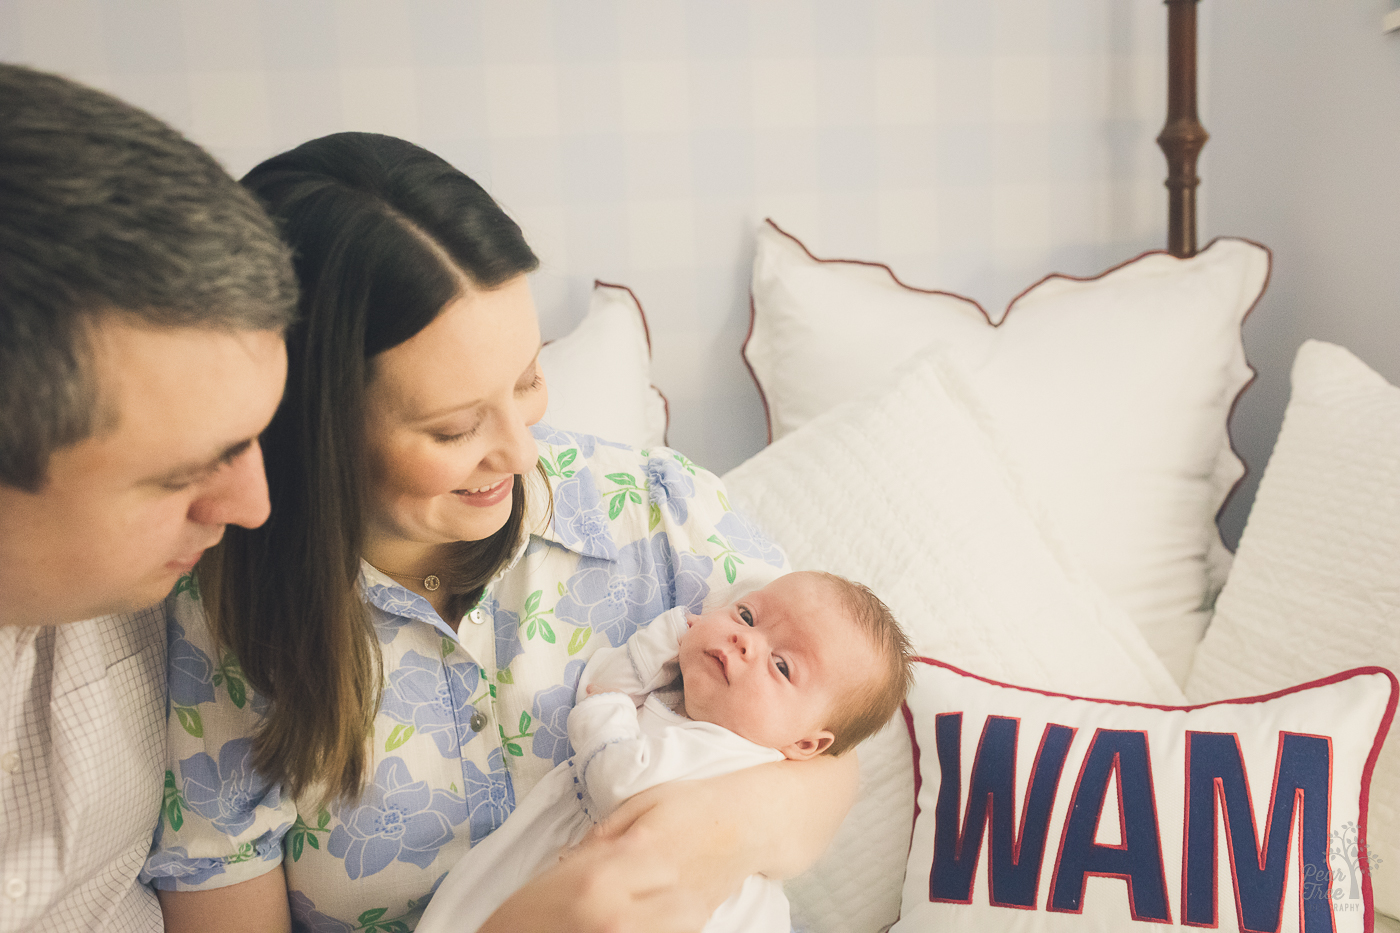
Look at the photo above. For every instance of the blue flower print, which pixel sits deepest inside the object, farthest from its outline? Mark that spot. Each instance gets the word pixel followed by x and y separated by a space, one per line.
pixel 551 710
pixel 397 605
pixel 439 706
pixel 579 517
pixel 670 485
pixel 227 793
pixel 490 796
pixel 689 573
pixel 586 443
pixel 191 673
pixel 747 539
pixel 308 918
pixel 400 818
pixel 614 597
pixel 166 866
pixel 507 628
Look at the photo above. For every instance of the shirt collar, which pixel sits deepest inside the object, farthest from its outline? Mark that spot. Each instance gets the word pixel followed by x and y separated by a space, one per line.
pixel 565 529
pixel 384 593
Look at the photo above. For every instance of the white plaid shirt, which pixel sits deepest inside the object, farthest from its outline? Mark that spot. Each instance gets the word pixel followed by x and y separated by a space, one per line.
pixel 82 751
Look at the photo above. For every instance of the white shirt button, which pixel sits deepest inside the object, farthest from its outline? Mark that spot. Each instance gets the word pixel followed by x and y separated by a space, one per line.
pixel 477 617
pixel 9 762
pixel 15 888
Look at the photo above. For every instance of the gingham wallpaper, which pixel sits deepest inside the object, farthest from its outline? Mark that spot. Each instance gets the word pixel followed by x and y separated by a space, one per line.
pixel 974 145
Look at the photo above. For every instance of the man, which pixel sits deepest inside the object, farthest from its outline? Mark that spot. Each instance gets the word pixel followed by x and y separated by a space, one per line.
pixel 143 298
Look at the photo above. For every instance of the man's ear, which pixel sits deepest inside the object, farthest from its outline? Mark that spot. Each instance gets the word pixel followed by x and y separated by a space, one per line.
pixel 809 747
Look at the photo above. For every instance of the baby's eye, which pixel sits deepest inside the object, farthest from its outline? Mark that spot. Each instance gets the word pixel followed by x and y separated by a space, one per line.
pixel 782 667
pixel 746 615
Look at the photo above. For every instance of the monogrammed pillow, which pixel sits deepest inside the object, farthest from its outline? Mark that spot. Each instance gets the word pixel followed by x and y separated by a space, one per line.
pixel 1039 811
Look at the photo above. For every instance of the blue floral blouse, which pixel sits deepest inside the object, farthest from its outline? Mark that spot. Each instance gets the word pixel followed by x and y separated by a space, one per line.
pixel 470 720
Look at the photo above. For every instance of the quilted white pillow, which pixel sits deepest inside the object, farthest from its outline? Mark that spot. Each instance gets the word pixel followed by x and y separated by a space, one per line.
pixel 903 492
pixel 1056 813
pixel 599 375
pixel 1316 582
pixel 1110 396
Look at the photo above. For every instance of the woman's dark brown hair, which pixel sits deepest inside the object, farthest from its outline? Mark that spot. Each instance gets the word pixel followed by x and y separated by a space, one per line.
pixel 384 236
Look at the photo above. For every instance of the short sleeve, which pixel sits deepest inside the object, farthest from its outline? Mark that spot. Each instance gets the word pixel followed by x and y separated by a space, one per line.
pixel 221 823
pixel 719 553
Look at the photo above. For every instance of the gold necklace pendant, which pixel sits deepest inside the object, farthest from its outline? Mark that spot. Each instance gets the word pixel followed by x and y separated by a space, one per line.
pixel 431 583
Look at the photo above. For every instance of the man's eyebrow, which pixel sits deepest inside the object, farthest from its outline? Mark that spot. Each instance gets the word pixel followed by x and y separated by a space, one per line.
pixel 189 471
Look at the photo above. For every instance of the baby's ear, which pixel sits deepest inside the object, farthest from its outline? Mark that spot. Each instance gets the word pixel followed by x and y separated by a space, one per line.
pixel 809 747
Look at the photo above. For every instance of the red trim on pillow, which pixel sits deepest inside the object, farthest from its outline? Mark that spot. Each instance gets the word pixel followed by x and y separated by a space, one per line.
pixel 1363 808
pixel 1268 274
pixel 646 332
pixel 743 355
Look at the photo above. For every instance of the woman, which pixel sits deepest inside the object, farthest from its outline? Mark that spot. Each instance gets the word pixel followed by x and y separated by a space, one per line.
pixel 434 576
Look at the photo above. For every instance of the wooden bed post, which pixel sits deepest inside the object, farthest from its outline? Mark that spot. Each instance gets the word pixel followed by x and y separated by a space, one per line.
pixel 1183 137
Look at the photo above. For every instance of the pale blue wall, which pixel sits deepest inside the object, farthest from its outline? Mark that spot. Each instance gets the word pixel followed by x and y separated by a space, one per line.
pixel 1304 116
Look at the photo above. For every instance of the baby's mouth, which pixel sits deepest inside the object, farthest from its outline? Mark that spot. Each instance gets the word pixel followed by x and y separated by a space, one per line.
pixel 723 664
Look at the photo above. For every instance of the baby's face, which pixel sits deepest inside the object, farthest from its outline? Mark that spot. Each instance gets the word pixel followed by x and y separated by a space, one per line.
pixel 774 665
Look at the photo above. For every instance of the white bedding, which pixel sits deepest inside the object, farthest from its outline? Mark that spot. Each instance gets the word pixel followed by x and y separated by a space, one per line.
pixel 903 492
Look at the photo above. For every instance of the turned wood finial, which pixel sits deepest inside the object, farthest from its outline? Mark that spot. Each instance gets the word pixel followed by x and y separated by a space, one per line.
pixel 1183 137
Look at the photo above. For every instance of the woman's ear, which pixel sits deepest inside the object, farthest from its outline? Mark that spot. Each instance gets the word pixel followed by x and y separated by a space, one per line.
pixel 809 747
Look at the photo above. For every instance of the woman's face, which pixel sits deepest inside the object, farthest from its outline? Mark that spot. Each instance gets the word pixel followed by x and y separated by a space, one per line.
pixel 447 418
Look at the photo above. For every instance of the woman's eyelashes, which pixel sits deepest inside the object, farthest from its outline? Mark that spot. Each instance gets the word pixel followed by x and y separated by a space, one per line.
pixel 746 616
pixel 782 667
pixel 459 437
pixel 532 385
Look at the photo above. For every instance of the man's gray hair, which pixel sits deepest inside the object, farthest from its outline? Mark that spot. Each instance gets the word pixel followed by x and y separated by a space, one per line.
pixel 105 210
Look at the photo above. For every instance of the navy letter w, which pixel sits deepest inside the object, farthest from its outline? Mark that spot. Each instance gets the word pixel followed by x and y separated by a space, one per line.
pixel 1014 858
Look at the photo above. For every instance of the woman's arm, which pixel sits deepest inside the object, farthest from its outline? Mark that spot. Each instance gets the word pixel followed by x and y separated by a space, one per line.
pixel 774 819
pixel 258 905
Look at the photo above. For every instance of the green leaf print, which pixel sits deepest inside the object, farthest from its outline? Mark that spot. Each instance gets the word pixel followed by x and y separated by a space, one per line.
pixel 635 496
pixel 615 507
pixel 546 632
pixel 230 675
pixel 685 462
pixel 532 602
pixel 509 740
pixel 505 676
pixel 372 915
pixel 448 646
pixel 400 735
pixel 188 583
pixel 567 457
pixel 731 557
pixel 172 804
pixel 190 721
pixel 303 834
pixel 579 639
pixel 562 591
pixel 653 517
pixel 623 479
pixel 723 501
pixel 244 853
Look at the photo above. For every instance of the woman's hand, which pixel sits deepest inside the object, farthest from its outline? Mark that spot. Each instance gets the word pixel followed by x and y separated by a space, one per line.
pixel 604 886
pixel 632 875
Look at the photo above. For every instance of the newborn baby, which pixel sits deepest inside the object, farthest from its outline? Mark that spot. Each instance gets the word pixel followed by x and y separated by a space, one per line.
pixel 810 664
